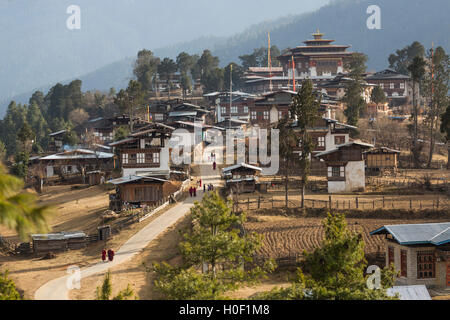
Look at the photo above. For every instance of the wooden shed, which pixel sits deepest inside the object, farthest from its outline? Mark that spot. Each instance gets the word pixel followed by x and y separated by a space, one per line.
pixel 242 177
pixel 137 190
pixel 54 242
pixel 382 158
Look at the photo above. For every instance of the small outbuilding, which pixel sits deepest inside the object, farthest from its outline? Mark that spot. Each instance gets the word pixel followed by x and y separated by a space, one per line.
pixel 136 190
pixel 345 166
pixel 54 242
pixel 381 158
pixel 242 177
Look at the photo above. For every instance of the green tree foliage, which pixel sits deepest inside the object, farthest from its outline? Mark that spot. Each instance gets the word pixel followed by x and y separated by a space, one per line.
pixel 63 99
pixel 26 135
pixel 166 69
pixel 305 111
pixel 378 96
pixel 186 62
pixel 236 74
pixel 336 270
pixel 186 83
pixel 214 80
pixel 105 291
pixel 401 59
pixel 417 71
pixel 2 151
pixel 121 133
pixel 70 138
pixel 145 69
pixel 354 89
pixel 20 167
pixel 259 58
pixel 217 244
pixel 9 127
pixel 130 99
pixel 436 88
pixel 8 289
pixel 18 210
pixel 38 123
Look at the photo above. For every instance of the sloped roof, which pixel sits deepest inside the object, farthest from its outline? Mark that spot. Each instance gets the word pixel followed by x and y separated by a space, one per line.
pixel 240 165
pixel 79 154
pixel 387 74
pixel 409 234
pixel 133 178
pixel 358 143
pixel 418 292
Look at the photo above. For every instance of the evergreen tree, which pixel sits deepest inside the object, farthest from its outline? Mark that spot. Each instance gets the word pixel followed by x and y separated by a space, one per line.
pixel 445 130
pixel 336 270
pixel 166 69
pixel 8 289
pixel 417 71
pixel 305 111
pixel 237 75
pixel 216 244
pixel 378 96
pixel 402 59
pixel 105 291
pixel 145 69
pixel 354 89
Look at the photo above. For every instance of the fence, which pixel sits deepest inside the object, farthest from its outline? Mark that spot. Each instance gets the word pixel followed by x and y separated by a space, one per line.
pixel 348 203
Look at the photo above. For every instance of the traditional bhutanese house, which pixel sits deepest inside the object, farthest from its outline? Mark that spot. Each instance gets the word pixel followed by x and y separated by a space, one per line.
pixel 54 242
pixel 381 158
pixel 237 110
pixel 187 112
pixel 326 134
pixel 77 162
pixel 56 141
pixel 336 88
pixel 197 132
pixel 271 108
pixel 345 167
pixel 146 151
pixel 395 85
pixel 136 190
pixel 105 129
pixel 421 252
pixel 233 124
pixel 373 109
pixel 241 177
pixel 159 112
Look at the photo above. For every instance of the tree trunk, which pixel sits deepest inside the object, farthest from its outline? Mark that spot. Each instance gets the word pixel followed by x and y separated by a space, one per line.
pixel 448 155
pixel 303 194
pixel 430 157
pixel 286 185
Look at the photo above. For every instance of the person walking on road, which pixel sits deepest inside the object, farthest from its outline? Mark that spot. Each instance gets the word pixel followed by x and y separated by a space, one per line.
pixel 190 192
pixel 104 255
pixel 214 166
pixel 195 191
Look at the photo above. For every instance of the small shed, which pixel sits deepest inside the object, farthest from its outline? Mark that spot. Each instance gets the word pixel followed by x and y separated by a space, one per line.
pixel 242 176
pixel 138 190
pixel 381 158
pixel 62 241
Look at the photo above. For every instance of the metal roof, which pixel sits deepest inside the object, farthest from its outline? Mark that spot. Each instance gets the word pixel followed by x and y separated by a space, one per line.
pixel 236 166
pixel 57 133
pixel 58 236
pixel 409 234
pixel 182 113
pixel 117 143
pixel 418 292
pixel 133 178
pixel 79 154
pixel 359 143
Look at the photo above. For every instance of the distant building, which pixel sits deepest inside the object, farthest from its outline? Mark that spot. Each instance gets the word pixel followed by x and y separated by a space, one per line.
pixel 271 108
pixel 56 141
pixel 345 167
pixel 396 86
pixel 381 158
pixel 421 252
pixel 241 177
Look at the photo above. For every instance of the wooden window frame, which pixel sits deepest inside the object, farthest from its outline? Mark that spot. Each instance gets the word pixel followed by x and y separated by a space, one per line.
pixel 426 265
pixel 404 263
pixel 391 256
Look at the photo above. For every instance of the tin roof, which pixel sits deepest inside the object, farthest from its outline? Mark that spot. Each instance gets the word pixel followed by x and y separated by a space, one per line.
pixel 418 292
pixel 409 234
pixel 133 178
pixel 240 165
pixel 358 143
pixel 58 236
pixel 79 154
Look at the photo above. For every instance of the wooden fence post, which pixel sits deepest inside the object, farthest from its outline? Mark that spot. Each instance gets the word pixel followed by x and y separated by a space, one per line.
pixel 248 203
pixel 373 205
pixel 383 202
pixel 272 202
pixel 410 203
pixel 331 204
pixel 357 204
pixel 259 202
pixel 437 204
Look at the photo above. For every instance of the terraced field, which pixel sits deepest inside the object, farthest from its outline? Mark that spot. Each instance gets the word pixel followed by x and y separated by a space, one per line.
pixel 288 236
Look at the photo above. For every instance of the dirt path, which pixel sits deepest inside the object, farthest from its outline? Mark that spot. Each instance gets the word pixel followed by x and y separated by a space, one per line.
pixel 58 289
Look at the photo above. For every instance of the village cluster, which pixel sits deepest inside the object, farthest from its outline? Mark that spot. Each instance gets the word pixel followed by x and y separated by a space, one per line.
pixel 139 167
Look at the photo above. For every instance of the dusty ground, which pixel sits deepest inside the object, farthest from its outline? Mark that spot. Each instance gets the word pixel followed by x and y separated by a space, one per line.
pixel 75 210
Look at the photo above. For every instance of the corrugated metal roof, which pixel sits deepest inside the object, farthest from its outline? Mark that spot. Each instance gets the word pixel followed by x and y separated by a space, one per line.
pixel 236 166
pixel 132 178
pixel 57 133
pixel 418 292
pixel 182 113
pixel 79 154
pixel 117 143
pixel 409 234
pixel 58 236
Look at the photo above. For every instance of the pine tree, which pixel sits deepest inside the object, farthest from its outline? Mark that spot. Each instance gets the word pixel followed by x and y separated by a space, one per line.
pixel 8 289
pixel 216 244
pixel 354 89
pixel 305 111
pixel 336 270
